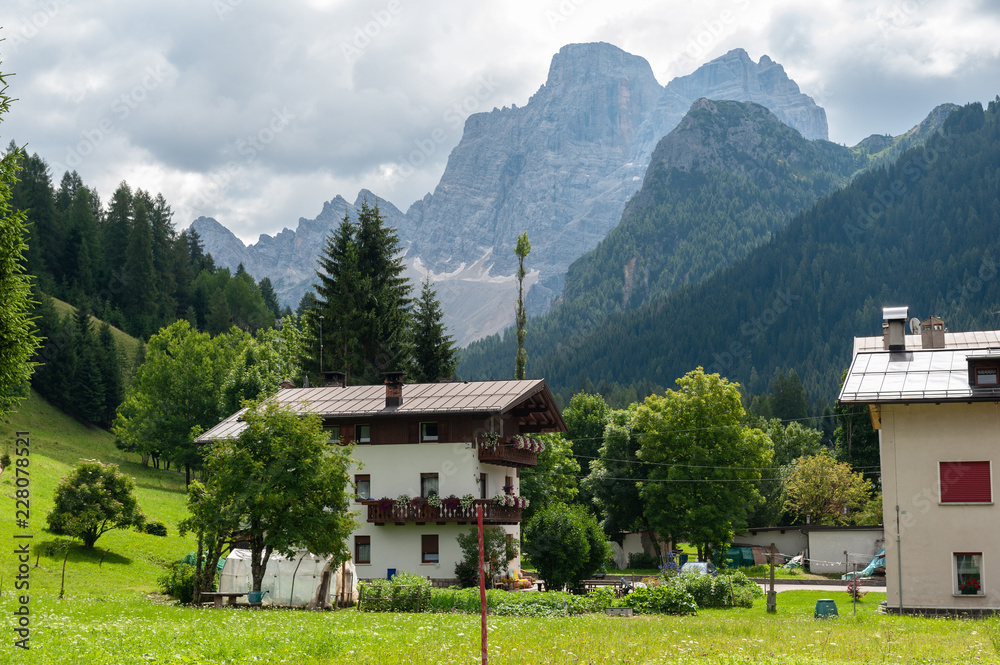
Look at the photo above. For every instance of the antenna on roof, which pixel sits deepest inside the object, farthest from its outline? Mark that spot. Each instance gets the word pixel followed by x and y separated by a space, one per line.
pixel 914 326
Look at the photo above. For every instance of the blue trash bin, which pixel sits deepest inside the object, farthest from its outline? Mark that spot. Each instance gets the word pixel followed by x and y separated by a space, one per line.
pixel 390 573
pixel 682 559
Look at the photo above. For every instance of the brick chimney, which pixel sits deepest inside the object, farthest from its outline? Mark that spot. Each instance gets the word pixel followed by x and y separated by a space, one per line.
pixel 393 389
pixel 894 328
pixel 932 331
pixel 334 379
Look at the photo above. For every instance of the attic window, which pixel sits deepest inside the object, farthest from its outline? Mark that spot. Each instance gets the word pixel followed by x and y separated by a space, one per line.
pixel 986 376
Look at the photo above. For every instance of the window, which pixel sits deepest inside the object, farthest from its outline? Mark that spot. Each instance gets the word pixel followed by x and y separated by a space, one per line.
pixel 428 484
pixel 429 548
pixel 363 483
pixel 984 371
pixel 969 573
pixel 986 376
pixel 363 433
pixel 332 434
pixel 428 431
pixel 362 549
pixel 965 482
pixel 483 489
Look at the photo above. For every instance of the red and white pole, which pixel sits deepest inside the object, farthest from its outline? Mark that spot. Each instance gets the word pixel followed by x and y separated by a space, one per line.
pixel 482 581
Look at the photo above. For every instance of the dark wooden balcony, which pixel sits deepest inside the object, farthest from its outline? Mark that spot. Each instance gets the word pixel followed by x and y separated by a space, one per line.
pixel 507 454
pixel 422 514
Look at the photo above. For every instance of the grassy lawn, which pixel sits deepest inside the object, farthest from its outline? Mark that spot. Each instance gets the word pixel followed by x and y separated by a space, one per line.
pixel 122 627
pixel 132 561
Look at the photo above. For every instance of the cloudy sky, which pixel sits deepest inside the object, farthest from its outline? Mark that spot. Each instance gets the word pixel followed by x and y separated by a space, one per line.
pixel 256 112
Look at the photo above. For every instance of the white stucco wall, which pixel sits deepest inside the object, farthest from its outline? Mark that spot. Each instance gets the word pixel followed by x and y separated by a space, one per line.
pixel 826 549
pixel 395 469
pixel 790 542
pixel 914 439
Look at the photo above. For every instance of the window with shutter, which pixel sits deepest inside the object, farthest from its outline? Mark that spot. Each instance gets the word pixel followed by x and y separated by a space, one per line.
pixel 429 548
pixel 965 482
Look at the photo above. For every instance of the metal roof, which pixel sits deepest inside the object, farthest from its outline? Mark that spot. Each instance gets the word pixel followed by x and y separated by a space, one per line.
pixel 916 375
pixel 418 399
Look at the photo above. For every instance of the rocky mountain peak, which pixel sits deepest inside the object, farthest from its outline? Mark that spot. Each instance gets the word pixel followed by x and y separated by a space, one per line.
pixel 594 63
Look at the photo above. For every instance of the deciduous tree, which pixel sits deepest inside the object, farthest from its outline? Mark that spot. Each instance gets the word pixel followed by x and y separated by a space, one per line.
pixel 92 500
pixel 703 461
pixel 522 249
pixel 566 544
pixel 285 485
pixel 825 489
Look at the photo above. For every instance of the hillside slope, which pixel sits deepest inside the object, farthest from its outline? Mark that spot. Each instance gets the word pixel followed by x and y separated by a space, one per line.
pixel 921 232
pixel 134 560
pixel 718 186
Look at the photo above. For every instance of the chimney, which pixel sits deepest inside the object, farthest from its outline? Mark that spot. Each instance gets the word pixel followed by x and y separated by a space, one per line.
pixel 393 389
pixel 334 379
pixel 932 333
pixel 894 328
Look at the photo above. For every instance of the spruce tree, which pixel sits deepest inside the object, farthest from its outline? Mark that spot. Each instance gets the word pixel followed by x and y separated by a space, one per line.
pixel 384 339
pixel 140 275
pixel 522 249
pixel 363 297
pixel 434 354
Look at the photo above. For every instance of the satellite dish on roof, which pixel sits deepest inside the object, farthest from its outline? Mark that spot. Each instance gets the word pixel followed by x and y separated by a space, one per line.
pixel 914 326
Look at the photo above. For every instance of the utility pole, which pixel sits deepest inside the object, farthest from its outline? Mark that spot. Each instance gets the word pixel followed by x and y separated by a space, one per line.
pixel 772 597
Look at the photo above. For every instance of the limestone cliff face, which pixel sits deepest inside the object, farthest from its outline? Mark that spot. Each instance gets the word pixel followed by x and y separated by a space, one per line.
pixel 561 168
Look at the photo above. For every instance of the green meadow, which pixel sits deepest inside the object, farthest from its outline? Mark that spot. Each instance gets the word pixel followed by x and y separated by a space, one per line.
pixel 111 611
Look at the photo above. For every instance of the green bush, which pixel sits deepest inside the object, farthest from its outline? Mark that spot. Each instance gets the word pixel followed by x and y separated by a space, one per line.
pixel 404 593
pixel 178 582
pixel 642 560
pixel 467 573
pixel 505 603
pixel 5 460
pixel 566 543
pixel 156 528
pixel 734 589
pixel 661 599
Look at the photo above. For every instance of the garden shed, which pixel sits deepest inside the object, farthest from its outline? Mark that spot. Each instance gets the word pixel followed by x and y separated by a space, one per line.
pixel 304 580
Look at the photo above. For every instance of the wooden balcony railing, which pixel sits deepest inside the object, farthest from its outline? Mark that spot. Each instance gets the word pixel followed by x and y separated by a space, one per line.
pixel 409 514
pixel 507 454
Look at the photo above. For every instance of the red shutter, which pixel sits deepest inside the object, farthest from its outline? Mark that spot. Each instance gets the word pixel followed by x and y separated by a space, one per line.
pixel 965 482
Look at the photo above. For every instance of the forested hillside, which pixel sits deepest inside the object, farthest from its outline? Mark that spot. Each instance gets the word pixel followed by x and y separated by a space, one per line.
pixel 125 262
pixel 718 186
pixel 921 232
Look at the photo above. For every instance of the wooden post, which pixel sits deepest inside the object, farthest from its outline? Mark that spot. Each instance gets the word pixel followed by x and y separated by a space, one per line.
pixel 855 594
pixel 482 583
pixel 62 585
pixel 772 597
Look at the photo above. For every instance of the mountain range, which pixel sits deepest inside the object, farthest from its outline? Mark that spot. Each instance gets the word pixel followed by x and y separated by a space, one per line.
pixel 562 168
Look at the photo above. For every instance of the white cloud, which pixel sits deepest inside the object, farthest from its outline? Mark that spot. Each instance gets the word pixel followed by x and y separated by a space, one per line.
pixel 171 96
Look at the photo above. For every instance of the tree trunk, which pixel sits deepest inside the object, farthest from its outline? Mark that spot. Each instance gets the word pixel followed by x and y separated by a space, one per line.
pixel 187 475
pixel 197 570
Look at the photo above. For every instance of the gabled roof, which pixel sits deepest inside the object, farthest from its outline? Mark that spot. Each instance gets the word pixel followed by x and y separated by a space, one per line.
pixel 918 375
pixel 419 399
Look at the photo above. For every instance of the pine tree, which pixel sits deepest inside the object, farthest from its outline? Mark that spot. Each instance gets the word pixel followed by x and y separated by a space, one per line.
pixel 340 301
pixel 140 275
pixel 269 296
pixel 363 297
pixel 384 338
pixel 434 354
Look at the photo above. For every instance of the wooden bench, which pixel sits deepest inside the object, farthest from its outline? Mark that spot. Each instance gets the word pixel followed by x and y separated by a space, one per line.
pixel 217 596
pixel 590 585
